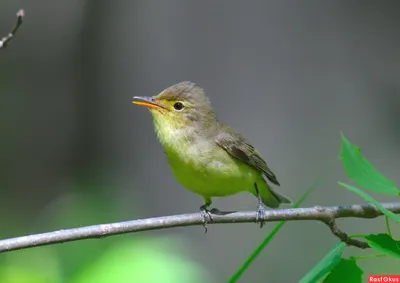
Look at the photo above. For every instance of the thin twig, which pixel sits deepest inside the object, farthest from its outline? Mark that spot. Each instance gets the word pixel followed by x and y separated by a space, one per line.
pixel 324 214
pixel 10 35
pixel 344 237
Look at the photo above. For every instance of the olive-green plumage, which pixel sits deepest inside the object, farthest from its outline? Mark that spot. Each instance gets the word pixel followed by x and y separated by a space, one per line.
pixel 206 156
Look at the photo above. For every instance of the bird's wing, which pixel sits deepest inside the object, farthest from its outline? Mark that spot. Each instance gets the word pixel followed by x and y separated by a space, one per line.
pixel 239 147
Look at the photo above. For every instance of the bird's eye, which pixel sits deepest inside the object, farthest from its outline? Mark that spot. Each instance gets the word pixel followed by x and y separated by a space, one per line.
pixel 178 106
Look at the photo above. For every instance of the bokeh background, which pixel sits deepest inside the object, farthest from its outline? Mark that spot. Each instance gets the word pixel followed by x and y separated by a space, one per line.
pixel 288 75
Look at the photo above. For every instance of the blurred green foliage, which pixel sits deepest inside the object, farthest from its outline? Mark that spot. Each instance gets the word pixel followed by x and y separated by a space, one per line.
pixel 119 259
pixel 150 259
pixel 144 260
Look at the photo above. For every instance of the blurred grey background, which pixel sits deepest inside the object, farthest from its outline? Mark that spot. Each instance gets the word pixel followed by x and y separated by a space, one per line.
pixel 288 75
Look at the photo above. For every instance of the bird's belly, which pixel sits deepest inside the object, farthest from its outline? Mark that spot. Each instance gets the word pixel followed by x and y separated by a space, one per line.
pixel 214 177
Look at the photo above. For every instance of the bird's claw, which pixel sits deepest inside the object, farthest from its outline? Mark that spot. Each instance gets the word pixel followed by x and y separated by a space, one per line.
pixel 206 216
pixel 260 215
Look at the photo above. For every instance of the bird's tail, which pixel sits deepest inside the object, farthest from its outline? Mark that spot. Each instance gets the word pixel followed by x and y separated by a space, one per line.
pixel 272 198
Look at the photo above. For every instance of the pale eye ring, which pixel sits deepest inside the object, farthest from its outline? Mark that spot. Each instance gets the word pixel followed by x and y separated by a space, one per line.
pixel 178 106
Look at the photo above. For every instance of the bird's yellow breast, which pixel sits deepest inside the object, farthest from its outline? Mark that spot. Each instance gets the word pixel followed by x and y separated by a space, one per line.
pixel 202 166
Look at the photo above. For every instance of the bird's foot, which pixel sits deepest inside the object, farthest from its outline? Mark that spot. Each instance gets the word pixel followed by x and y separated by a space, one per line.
pixel 260 214
pixel 206 216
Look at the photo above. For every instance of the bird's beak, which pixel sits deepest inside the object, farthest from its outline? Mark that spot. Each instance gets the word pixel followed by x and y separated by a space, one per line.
pixel 147 101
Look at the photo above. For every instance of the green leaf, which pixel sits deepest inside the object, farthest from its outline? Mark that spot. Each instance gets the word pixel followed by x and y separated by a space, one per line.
pixel 346 271
pixel 362 172
pixel 384 244
pixel 371 200
pixel 326 265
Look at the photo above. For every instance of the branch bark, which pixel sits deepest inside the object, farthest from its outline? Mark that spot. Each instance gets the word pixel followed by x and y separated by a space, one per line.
pixel 10 35
pixel 327 215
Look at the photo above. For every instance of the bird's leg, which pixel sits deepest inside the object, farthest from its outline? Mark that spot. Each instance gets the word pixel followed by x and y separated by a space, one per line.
pixel 260 208
pixel 205 213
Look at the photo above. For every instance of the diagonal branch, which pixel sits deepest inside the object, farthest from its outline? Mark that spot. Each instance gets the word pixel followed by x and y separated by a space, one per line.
pixel 327 215
pixel 10 35
pixel 344 237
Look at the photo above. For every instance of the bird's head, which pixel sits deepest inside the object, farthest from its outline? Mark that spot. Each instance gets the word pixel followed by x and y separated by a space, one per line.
pixel 180 106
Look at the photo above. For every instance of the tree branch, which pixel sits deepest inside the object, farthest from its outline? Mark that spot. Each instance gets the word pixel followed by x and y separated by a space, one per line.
pixel 10 35
pixel 344 237
pixel 327 215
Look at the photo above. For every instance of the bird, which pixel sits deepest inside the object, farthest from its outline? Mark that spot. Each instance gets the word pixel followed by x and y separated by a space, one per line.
pixel 206 156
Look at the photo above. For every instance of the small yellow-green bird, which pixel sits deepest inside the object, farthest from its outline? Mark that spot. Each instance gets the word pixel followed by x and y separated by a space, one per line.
pixel 206 156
